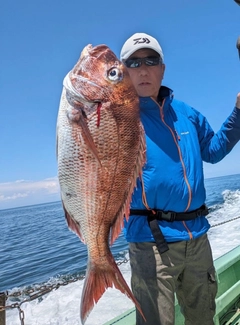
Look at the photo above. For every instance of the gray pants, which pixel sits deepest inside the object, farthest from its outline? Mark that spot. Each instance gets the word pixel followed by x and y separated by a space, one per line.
pixel 187 269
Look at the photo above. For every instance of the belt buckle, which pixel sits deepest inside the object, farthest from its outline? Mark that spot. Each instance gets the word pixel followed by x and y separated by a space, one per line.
pixel 168 216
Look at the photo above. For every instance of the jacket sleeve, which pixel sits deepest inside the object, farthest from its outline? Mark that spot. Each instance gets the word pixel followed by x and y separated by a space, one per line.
pixel 215 146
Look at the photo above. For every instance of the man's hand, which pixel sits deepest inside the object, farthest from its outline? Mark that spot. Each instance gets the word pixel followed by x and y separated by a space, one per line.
pixel 238 101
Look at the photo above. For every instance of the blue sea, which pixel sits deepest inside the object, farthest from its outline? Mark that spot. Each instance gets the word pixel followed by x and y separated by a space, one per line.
pixel 37 245
pixel 37 248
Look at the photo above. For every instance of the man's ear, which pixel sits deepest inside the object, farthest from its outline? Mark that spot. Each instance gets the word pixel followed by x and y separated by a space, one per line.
pixel 163 70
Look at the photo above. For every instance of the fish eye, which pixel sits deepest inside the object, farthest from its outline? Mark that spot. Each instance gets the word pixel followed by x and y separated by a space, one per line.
pixel 114 74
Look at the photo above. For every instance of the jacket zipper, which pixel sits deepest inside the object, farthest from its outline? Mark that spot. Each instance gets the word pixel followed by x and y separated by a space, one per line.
pixel 183 166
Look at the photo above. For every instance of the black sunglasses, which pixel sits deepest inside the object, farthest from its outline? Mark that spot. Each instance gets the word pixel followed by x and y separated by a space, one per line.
pixel 136 63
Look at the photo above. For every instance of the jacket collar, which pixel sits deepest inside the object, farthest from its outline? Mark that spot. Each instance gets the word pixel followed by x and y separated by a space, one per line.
pixel 147 103
pixel 164 92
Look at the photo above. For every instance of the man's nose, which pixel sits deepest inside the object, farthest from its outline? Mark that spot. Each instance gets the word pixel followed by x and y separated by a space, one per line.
pixel 143 70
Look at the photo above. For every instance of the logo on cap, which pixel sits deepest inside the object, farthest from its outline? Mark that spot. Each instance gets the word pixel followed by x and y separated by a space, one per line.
pixel 141 40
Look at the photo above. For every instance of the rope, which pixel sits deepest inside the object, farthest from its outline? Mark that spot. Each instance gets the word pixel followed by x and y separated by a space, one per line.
pixel 223 222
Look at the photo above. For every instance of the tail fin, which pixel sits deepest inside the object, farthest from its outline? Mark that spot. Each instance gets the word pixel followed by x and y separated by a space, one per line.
pixel 98 279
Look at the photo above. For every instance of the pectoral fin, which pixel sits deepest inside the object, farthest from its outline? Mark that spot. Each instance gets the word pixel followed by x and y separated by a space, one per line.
pixel 88 138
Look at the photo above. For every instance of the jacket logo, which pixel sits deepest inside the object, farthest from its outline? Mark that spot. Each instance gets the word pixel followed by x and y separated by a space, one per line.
pixel 141 40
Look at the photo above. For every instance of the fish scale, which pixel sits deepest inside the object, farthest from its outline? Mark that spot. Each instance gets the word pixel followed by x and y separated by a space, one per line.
pixel 101 151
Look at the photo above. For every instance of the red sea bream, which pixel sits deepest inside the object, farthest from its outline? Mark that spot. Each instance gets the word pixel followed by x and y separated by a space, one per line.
pixel 100 152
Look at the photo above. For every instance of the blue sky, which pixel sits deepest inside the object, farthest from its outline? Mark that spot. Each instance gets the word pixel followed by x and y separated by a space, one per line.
pixel 42 40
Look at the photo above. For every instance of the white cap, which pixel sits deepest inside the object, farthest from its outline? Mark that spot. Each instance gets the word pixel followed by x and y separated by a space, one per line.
pixel 140 41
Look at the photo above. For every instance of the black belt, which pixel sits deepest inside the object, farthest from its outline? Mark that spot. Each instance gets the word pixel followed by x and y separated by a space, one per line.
pixel 170 215
pixel 155 215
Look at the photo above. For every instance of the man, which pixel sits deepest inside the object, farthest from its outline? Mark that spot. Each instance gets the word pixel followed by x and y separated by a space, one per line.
pixel 168 245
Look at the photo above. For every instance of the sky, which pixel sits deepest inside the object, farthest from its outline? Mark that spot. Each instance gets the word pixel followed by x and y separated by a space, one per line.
pixel 42 40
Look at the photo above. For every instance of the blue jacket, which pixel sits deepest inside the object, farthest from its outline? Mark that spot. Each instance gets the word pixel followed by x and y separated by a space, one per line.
pixel 178 140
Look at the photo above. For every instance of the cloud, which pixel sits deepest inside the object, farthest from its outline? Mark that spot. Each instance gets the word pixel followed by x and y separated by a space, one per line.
pixel 26 192
pixel 13 197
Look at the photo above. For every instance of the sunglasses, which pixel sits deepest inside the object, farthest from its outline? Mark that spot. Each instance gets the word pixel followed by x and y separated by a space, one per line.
pixel 136 63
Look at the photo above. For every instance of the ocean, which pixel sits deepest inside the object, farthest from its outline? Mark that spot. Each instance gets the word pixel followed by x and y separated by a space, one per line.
pixel 38 250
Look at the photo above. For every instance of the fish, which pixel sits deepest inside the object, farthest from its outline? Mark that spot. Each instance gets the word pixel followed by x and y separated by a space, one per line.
pixel 100 154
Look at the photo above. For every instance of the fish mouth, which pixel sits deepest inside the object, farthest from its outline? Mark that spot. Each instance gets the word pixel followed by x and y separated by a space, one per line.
pixel 76 95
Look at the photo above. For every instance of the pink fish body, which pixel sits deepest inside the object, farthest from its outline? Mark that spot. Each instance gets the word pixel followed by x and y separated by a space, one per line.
pixel 100 151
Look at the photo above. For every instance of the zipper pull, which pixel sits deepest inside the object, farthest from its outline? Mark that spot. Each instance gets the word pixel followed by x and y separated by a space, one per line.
pixel 178 137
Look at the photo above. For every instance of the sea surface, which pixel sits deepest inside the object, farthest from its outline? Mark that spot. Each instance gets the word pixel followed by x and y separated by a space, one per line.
pixel 37 249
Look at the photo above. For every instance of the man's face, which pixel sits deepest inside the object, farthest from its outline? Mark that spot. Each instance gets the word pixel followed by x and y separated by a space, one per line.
pixel 146 79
